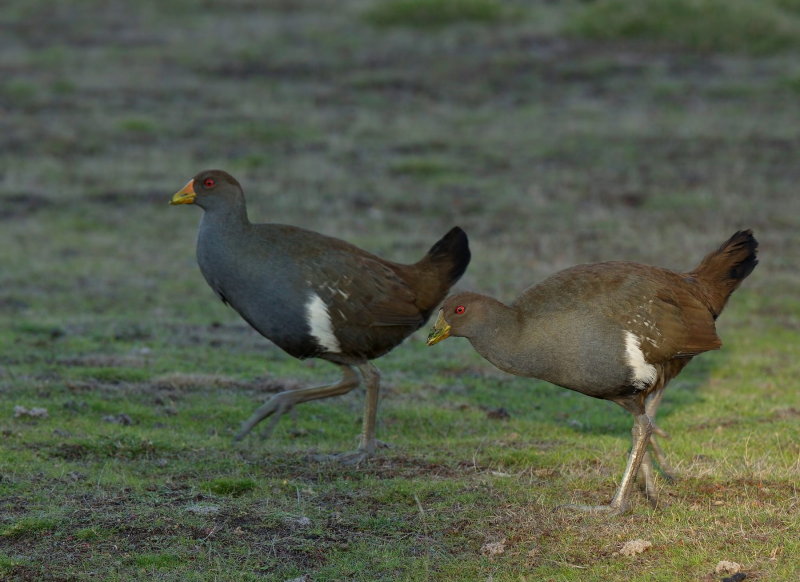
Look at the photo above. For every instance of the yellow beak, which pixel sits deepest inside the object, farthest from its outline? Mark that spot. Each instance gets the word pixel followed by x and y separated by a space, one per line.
pixel 185 195
pixel 440 331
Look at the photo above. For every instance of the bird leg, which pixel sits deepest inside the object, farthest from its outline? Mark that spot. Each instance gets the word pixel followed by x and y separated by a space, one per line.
pixel 368 443
pixel 642 429
pixel 284 401
pixel 372 379
pixel 651 406
pixel 647 473
pixel 661 458
pixel 640 433
pixel 647 481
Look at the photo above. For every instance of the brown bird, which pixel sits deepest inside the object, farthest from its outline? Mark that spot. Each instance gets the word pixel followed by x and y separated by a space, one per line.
pixel 618 331
pixel 316 296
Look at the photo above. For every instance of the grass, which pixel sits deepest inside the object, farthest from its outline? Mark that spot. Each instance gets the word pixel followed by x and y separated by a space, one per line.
pixel 750 26
pixel 550 145
pixel 28 527
pixel 431 14
pixel 227 486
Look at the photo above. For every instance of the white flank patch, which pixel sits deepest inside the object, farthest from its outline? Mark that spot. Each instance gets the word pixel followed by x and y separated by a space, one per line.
pixel 644 374
pixel 319 320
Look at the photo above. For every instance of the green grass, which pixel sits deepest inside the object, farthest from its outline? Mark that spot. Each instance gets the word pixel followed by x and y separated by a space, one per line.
pixel 423 168
pixel 138 125
pixel 28 527
pixel 233 487
pixel 428 14
pixel 9 564
pixel 750 26
pixel 550 148
pixel 159 561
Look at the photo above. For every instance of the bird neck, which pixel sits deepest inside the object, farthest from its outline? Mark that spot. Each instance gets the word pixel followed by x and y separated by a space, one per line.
pixel 229 216
pixel 509 343
pixel 499 330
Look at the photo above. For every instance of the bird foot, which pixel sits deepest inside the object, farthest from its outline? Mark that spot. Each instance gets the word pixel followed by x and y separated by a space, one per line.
pixel 350 458
pixel 650 495
pixel 353 458
pixel 666 470
pixel 276 407
pixel 668 474
pixel 282 402
pixel 658 502
pixel 361 454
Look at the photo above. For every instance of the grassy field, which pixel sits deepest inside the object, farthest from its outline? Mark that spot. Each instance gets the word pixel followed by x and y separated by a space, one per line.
pixel 553 133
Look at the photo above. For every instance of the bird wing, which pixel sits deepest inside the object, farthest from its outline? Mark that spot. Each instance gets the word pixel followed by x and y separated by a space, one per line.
pixel 680 325
pixel 363 290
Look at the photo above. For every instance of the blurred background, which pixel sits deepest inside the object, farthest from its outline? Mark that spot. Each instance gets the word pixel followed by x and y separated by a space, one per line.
pixel 553 132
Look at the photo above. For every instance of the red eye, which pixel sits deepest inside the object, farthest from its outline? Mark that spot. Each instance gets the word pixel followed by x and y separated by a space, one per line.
pixel 209 182
pixel 460 309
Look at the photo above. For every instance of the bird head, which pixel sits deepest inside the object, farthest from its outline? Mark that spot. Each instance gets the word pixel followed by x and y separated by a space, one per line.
pixel 207 187
pixel 461 315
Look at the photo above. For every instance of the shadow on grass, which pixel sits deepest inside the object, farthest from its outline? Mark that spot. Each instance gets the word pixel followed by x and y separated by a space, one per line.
pixel 684 390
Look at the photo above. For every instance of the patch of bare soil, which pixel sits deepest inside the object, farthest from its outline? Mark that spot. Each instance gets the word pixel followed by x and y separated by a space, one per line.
pixel 311 467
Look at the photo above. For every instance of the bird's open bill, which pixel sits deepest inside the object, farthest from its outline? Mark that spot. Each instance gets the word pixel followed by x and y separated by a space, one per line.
pixel 440 331
pixel 185 195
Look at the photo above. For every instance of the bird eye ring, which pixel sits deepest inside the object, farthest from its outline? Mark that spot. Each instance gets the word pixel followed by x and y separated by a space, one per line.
pixel 460 309
pixel 209 182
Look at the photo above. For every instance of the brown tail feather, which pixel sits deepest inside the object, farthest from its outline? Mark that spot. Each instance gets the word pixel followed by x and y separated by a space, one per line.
pixel 723 270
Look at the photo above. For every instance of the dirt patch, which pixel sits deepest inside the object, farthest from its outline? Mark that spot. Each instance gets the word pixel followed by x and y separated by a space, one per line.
pixel 123 446
pixel 25 573
pixel 311 467
pixel 785 413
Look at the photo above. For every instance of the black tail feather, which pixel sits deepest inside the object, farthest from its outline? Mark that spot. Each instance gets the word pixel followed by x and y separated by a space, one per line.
pixel 722 270
pixel 454 248
pixel 743 242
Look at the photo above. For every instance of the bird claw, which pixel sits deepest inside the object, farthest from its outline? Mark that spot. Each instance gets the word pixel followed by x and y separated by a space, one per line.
pixel 352 458
pixel 276 407
pixel 668 475
pixel 361 454
pixel 666 470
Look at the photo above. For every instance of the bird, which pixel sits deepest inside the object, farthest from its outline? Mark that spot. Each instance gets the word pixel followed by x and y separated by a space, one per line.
pixel 316 296
pixel 618 331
